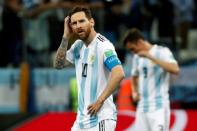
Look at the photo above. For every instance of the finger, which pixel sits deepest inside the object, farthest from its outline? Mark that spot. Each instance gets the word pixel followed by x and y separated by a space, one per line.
pixel 135 99
pixel 89 107
pixel 67 18
pixel 90 110
pixel 93 113
pixel 138 98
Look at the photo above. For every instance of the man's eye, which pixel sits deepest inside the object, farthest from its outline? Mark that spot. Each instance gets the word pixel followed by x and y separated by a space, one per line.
pixel 82 21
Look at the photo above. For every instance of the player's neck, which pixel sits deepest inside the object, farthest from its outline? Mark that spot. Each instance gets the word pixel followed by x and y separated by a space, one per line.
pixel 90 37
pixel 148 46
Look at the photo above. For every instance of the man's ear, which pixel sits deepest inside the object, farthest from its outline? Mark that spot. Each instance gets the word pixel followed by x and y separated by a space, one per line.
pixel 92 22
pixel 139 41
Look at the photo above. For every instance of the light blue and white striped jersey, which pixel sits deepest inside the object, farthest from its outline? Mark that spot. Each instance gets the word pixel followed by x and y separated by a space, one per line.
pixel 93 65
pixel 153 82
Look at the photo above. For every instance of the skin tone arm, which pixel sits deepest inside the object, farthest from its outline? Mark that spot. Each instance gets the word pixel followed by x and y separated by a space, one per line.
pixel 169 67
pixel 134 86
pixel 117 75
pixel 60 58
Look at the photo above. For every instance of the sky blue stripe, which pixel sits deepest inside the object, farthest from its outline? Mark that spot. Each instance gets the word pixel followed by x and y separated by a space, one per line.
pixel 76 59
pixel 83 81
pixel 93 89
pixel 145 88
pixel 77 51
pixel 93 121
pixel 158 78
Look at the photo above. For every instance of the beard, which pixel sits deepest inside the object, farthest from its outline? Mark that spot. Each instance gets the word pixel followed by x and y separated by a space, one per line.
pixel 83 34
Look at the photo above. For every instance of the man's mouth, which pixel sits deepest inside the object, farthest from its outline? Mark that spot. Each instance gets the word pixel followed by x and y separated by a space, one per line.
pixel 80 31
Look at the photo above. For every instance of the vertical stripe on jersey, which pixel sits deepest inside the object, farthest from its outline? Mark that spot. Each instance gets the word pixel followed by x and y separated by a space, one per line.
pixel 145 87
pixel 94 80
pixel 77 52
pixel 82 88
pixel 158 80
pixel 158 77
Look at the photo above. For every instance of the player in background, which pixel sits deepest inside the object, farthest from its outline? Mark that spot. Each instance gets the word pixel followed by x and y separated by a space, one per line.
pixel 152 65
pixel 98 71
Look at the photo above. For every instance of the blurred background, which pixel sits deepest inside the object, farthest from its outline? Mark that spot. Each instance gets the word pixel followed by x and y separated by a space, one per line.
pixel 31 31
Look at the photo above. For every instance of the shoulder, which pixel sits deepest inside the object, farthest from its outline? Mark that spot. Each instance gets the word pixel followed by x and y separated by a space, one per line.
pixel 100 38
pixel 77 44
pixel 76 47
pixel 166 50
pixel 162 48
pixel 103 42
pixel 163 52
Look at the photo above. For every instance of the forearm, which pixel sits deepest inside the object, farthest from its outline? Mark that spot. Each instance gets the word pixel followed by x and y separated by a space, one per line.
pixel 134 84
pixel 114 80
pixel 169 67
pixel 60 58
pixel 134 87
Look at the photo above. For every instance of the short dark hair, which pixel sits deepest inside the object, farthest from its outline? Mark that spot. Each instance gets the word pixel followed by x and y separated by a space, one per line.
pixel 84 9
pixel 132 35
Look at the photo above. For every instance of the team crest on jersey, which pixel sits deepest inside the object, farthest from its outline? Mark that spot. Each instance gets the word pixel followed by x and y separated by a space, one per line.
pixel 91 59
pixel 152 63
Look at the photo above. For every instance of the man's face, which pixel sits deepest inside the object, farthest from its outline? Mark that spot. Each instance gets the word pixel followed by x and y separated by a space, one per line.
pixel 81 25
pixel 133 47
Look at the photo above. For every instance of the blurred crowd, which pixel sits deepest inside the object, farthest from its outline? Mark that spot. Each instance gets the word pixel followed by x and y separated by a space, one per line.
pixel 31 30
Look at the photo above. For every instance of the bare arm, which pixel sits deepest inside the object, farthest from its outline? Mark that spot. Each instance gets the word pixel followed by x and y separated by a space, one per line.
pixel 116 76
pixel 60 58
pixel 169 67
pixel 134 87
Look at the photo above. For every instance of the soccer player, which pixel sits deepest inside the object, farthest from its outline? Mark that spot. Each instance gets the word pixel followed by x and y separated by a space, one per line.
pixel 98 71
pixel 152 65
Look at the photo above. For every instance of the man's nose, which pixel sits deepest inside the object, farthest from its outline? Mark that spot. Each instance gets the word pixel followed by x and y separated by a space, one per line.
pixel 78 25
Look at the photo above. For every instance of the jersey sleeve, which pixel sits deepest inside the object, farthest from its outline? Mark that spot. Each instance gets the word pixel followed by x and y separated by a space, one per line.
pixel 74 52
pixel 110 56
pixel 135 63
pixel 69 55
pixel 167 56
